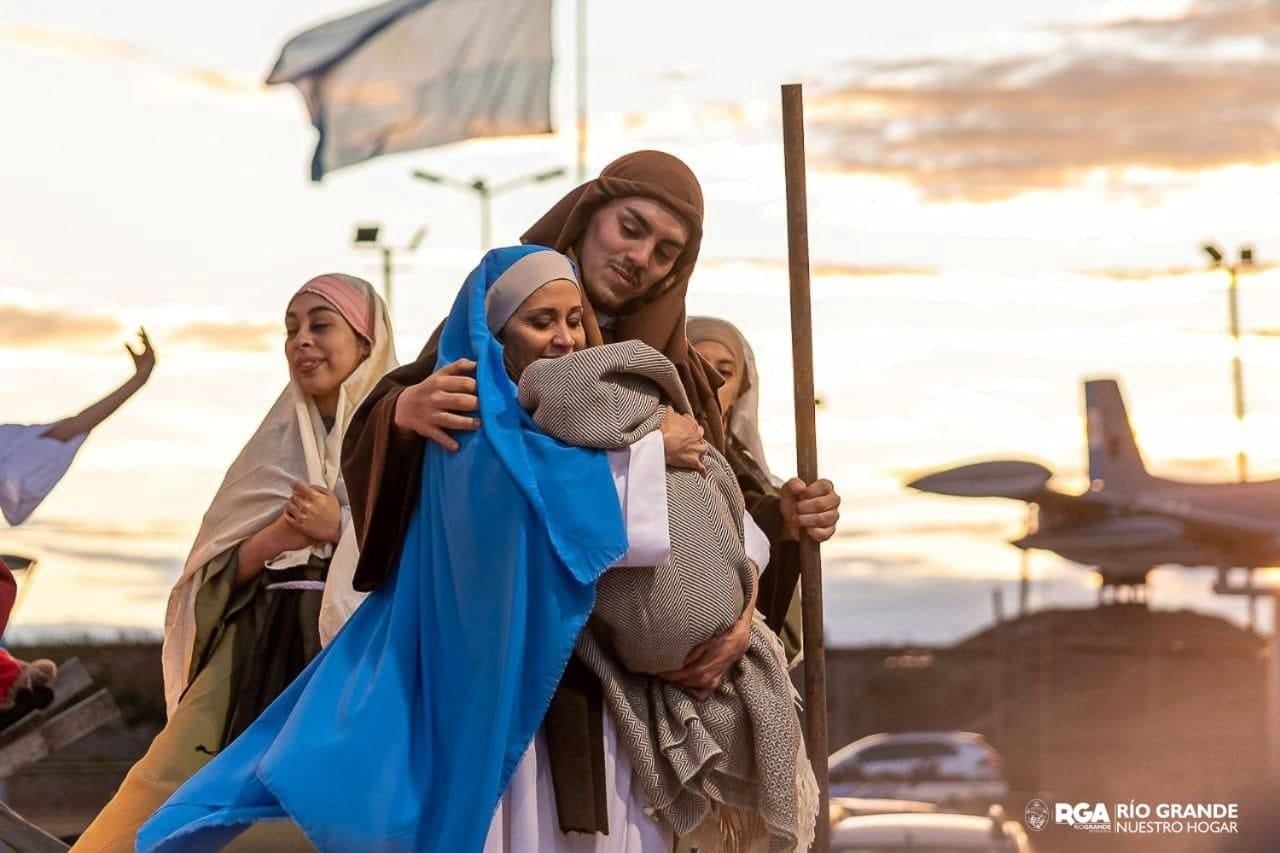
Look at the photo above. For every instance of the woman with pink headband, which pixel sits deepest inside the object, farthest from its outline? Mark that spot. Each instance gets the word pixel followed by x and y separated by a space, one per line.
pixel 269 576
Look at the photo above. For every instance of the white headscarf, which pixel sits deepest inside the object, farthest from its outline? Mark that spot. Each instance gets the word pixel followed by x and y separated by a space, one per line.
pixel 525 277
pixel 744 412
pixel 291 444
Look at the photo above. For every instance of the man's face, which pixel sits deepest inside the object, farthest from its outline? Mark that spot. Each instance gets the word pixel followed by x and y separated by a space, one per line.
pixel 630 245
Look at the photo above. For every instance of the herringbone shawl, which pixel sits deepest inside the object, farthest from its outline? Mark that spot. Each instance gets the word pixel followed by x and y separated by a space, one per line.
pixel 736 759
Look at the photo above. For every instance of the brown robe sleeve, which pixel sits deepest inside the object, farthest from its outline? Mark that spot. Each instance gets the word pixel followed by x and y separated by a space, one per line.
pixel 382 468
pixel 779 579
pixel 700 382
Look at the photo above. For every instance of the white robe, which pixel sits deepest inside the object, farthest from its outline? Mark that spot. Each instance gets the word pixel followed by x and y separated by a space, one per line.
pixel 30 466
pixel 526 817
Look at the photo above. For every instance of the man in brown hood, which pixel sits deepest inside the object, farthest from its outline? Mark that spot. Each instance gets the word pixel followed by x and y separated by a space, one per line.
pixel 635 233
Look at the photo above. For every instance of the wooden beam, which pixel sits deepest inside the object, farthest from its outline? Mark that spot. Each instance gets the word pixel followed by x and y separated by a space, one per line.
pixel 815 664
pixel 71 681
pixel 26 837
pixel 57 732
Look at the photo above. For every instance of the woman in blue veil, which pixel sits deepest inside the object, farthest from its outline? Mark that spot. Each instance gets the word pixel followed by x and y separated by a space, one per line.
pixel 404 732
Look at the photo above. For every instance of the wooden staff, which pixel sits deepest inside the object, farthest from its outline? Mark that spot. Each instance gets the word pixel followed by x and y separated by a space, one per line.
pixel 815 663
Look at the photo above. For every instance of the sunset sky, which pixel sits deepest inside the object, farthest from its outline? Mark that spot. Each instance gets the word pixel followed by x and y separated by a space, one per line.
pixel 1005 196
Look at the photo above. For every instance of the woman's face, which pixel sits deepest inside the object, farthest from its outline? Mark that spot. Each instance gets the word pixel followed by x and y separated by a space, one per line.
pixel 322 349
pixel 548 324
pixel 719 357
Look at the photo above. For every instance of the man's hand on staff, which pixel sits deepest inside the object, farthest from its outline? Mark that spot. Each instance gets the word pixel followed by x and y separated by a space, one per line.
pixel 683 441
pixel 437 404
pixel 813 509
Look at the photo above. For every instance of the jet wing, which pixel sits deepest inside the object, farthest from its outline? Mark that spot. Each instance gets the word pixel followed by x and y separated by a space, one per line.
pixel 1014 479
pixel 1005 478
pixel 1198 519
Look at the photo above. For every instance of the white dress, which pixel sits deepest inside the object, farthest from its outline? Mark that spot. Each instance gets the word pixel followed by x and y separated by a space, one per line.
pixel 526 818
pixel 30 466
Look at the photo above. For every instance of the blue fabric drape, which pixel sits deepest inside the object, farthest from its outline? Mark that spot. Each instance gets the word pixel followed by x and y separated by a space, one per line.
pixel 403 733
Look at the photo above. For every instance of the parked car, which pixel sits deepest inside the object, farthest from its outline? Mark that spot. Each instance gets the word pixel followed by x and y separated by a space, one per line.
pixel 936 833
pixel 843 807
pixel 931 766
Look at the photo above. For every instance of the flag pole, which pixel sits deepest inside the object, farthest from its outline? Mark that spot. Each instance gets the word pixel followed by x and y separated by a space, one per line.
pixel 815 664
pixel 582 91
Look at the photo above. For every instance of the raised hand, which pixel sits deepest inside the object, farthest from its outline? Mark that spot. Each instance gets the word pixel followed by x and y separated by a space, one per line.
pixel 95 413
pixel 144 361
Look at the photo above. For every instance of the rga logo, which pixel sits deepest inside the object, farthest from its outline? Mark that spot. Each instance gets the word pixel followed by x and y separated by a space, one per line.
pixel 1037 814
pixel 1090 817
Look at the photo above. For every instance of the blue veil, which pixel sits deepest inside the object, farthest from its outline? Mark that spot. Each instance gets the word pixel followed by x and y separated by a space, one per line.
pixel 403 733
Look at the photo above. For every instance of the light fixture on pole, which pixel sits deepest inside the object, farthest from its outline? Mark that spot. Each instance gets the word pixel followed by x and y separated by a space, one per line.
pixel 367 237
pixel 486 191
pixel 1218 261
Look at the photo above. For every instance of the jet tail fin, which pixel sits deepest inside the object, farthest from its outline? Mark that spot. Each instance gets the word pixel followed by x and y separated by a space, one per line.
pixel 1114 458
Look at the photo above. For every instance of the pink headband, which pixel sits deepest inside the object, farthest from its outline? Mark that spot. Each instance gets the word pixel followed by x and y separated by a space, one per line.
pixel 349 295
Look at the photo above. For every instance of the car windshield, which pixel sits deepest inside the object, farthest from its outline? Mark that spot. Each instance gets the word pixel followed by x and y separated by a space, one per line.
pixel 910 749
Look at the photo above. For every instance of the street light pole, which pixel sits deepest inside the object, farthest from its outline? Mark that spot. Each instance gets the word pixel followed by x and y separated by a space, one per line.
pixel 386 276
pixel 485 192
pixel 580 167
pixel 486 215
pixel 1216 260
pixel 366 237
pixel 1237 370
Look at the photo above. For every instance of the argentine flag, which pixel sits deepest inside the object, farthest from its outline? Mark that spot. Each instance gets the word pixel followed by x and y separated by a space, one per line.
pixel 411 74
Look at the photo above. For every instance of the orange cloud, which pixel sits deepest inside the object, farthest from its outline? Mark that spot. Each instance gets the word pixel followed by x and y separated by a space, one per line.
pixel 244 337
pixel 988 131
pixel 217 81
pixel 1209 20
pixel 22 328
pixel 822 269
pixel 91 47
pixel 71 44
pixel 1151 273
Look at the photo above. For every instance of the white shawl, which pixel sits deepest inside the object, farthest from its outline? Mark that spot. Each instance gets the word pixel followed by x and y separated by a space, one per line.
pixel 744 413
pixel 291 444
pixel 31 464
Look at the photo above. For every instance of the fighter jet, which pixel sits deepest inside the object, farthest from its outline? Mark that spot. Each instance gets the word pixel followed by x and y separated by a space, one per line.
pixel 1128 521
